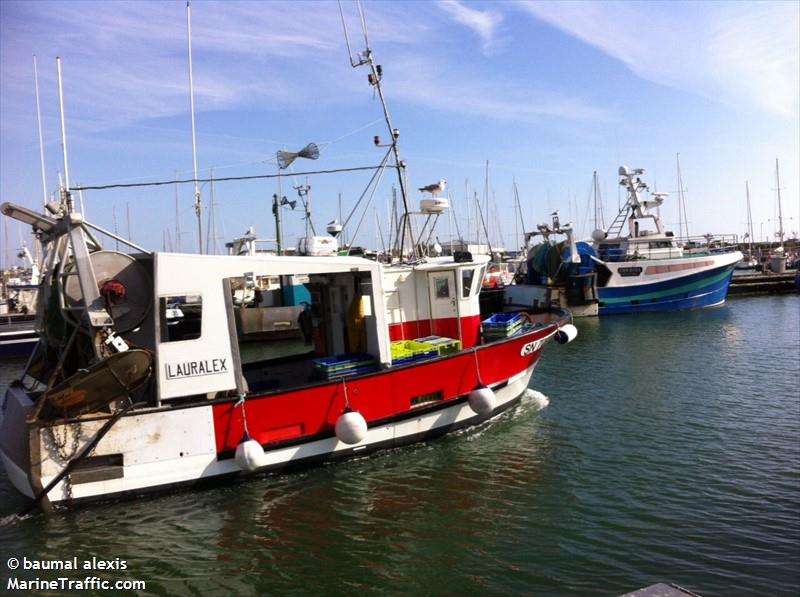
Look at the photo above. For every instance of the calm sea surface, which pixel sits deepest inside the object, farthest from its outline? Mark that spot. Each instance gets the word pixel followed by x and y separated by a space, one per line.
pixel 654 448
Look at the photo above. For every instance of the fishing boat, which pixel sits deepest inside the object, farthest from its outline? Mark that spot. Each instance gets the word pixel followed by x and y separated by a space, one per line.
pixel 18 335
pixel 645 269
pixel 120 398
pixel 18 309
pixel 139 384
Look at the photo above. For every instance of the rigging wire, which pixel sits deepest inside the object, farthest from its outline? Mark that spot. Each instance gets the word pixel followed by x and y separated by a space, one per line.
pixel 222 179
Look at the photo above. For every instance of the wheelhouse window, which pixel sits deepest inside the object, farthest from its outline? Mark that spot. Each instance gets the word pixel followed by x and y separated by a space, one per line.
pixel 481 274
pixel 466 281
pixel 442 288
pixel 181 317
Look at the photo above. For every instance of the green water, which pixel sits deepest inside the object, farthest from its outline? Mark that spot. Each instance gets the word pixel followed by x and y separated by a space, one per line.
pixel 661 447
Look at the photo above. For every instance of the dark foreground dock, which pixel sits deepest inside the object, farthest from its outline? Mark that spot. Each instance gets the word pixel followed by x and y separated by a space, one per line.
pixel 763 283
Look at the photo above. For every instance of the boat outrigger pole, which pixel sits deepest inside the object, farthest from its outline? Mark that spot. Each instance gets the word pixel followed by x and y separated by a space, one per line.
pixel 374 79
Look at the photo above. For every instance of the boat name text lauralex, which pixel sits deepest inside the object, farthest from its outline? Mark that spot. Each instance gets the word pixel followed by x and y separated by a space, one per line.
pixel 196 368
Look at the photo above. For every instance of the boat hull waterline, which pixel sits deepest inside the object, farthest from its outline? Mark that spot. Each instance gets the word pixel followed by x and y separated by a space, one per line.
pixel 706 288
pixel 162 449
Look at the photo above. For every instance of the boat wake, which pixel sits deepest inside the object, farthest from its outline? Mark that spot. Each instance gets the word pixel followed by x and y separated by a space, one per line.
pixel 537 398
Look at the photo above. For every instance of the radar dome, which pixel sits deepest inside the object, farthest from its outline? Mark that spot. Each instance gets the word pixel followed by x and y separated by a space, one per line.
pixel 598 235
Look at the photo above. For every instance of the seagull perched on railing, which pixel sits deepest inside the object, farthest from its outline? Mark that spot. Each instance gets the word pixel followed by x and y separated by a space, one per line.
pixel 437 187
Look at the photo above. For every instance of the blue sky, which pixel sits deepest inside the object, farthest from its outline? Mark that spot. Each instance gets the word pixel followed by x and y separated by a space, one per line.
pixel 546 92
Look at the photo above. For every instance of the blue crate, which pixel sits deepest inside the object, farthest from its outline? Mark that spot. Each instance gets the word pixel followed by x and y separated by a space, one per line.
pixel 327 375
pixel 502 325
pixel 343 364
pixel 503 320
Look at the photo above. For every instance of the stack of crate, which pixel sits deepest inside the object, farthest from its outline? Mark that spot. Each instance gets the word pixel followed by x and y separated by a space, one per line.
pixel 408 351
pixel 443 345
pixel 501 325
pixel 344 365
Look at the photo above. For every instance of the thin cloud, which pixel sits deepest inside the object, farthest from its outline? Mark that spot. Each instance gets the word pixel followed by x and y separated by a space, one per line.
pixel 737 53
pixel 128 63
pixel 483 23
pixel 479 94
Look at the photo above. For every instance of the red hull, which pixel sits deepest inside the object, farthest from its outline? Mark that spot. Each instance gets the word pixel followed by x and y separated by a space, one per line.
pixel 281 417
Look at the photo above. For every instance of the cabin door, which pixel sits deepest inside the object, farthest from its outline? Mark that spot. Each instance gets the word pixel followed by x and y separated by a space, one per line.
pixel 443 296
pixel 335 311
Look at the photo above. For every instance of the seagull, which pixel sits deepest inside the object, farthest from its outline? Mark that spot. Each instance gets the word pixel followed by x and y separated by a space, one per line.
pixel 437 187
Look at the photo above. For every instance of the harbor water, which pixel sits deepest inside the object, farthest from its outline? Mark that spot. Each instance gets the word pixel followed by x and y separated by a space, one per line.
pixel 660 447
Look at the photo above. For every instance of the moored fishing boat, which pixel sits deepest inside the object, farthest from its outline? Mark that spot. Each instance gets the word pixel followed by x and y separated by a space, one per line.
pixel 645 270
pixel 18 292
pixel 18 335
pixel 121 399
pixel 139 382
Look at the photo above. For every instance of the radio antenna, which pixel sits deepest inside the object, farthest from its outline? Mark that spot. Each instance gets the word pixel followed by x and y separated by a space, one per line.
pixel 374 78
pixel 198 204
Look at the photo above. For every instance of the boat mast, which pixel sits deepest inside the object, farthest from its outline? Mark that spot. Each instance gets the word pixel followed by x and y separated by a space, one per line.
pixel 177 218
pixel 749 220
pixel 374 78
pixel 486 198
pixel 682 217
pixel 780 212
pixel 116 233
pixel 198 205
pixel 41 138
pixel 66 197
pixel 599 217
pixel 211 232
pixel 344 240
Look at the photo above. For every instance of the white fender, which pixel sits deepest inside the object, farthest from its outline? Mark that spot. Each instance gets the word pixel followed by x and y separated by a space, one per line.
pixel 249 455
pixel 567 333
pixel 351 427
pixel 482 400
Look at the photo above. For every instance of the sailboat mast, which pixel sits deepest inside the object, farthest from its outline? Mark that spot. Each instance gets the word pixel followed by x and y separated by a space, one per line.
pixel 680 197
pixel 749 219
pixel 780 211
pixel 599 218
pixel 516 205
pixel 520 239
